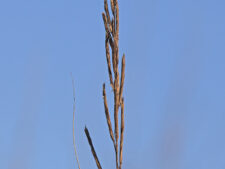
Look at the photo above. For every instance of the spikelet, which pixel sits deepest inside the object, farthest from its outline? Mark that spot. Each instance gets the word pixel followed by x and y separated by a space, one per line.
pixel 92 148
pixel 107 115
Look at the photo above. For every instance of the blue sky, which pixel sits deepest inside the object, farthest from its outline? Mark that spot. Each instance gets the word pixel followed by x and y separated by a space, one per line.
pixel 174 87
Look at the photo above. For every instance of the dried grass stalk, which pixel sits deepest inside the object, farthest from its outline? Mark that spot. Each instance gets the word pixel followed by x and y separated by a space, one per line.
pixel 116 108
pixel 121 133
pixel 74 145
pixel 118 83
pixel 112 41
pixel 92 148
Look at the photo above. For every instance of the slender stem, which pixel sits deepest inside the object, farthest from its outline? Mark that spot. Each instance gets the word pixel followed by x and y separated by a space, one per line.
pixel 74 145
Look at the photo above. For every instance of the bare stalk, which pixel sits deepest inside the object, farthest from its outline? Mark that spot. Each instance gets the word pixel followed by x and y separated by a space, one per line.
pixel 74 145
pixel 121 133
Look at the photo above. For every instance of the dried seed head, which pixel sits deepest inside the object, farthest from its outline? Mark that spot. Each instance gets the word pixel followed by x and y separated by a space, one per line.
pixel 105 23
pixel 112 6
pixel 92 148
pixel 107 114
pixel 107 11
pixel 108 61
pixel 122 77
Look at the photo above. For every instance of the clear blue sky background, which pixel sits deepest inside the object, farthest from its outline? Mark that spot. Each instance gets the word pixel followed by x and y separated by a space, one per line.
pixel 174 87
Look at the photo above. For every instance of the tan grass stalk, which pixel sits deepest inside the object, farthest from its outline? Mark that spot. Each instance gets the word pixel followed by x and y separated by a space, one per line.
pixel 116 120
pixel 112 41
pixel 92 148
pixel 121 133
pixel 74 145
pixel 113 35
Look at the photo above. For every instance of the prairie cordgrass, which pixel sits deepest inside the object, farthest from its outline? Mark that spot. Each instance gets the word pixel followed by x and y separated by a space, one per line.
pixel 116 80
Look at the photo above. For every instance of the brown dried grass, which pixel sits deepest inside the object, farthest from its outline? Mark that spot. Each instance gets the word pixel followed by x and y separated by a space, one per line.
pixel 116 82
pixel 92 148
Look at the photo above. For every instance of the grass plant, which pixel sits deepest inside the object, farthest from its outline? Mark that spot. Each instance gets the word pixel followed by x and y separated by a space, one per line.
pixel 116 80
